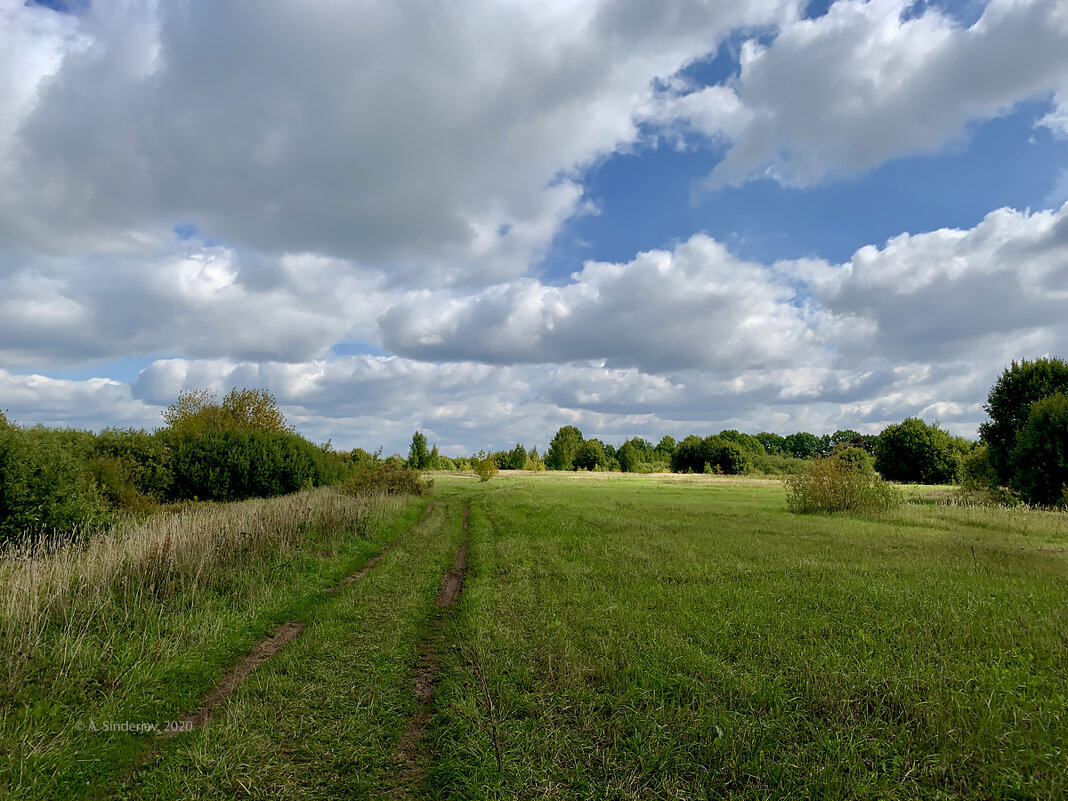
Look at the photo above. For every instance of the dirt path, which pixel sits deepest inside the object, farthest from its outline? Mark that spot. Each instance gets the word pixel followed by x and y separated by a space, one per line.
pixel 411 769
pixel 266 648
pixel 273 643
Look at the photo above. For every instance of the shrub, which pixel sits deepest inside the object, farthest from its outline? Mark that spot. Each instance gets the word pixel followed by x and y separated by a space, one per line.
pixel 855 459
pixel 780 465
pixel 141 458
pixel 485 468
pixel 834 485
pixel 386 479
pixel 915 452
pixel 1040 458
pixel 46 483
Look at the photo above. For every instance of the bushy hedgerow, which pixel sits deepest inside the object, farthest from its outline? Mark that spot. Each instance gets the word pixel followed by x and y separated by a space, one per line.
pixel 780 465
pixel 836 485
pixel 46 483
pixel 234 465
pixel 712 454
pixel 386 478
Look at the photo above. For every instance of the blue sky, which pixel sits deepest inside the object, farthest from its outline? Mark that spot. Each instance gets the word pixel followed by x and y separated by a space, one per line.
pixel 495 219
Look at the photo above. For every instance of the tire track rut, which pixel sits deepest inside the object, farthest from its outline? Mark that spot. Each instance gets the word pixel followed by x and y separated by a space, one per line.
pixel 263 650
pixel 407 753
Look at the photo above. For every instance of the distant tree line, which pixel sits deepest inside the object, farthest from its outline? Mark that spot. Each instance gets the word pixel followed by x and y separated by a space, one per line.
pixel 1022 452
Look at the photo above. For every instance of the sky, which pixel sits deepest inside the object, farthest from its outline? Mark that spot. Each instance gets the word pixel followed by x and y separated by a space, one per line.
pixel 486 220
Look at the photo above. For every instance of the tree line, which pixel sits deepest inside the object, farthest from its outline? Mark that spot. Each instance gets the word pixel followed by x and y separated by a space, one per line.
pixel 1022 453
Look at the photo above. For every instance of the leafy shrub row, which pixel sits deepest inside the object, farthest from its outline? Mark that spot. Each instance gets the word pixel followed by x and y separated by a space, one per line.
pixel 61 481
pixel 386 478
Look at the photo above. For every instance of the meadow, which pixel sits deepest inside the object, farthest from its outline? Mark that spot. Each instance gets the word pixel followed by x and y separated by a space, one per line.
pixel 617 636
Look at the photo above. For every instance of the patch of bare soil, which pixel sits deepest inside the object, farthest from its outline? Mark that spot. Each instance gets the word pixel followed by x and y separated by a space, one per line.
pixel 408 754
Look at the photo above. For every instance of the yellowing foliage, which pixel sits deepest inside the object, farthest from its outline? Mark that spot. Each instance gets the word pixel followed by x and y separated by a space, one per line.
pixel 241 410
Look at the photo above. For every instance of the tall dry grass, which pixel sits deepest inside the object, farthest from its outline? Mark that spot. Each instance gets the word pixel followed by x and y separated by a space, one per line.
pixel 54 593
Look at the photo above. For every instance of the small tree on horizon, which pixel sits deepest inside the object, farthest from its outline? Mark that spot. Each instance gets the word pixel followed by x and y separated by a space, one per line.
pixel 418 455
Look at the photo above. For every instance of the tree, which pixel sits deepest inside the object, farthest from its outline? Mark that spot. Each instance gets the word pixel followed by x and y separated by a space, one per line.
pixel 517 458
pixel 1009 405
pixel 848 438
pixel 725 456
pixel 1040 457
pixel 915 452
pixel 629 457
pixel 561 452
pixel 253 410
pixel 802 445
pixel 534 460
pixel 773 443
pixel 418 455
pixel 688 456
pixel 747 442
pixel 196 411
pixel 590 455
pixel 666 447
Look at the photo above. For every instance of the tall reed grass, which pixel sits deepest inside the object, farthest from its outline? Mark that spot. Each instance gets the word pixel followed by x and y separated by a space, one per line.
pixel 58 597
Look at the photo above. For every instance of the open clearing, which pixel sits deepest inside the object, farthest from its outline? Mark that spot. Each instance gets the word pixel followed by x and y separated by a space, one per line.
pixel 652 637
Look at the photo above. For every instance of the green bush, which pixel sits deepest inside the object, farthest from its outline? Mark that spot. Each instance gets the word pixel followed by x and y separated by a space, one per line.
pixel 235 465
pixel 914 452
pixel 386 479
pixel 485 468
pixel 780 465
pixel 855 459
pixel 835 485
pixel 46 483
pixel 142 461
pixel 712 454
pixel 1040 457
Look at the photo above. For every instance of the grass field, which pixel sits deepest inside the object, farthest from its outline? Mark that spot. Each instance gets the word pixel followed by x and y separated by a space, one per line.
pixel 622 637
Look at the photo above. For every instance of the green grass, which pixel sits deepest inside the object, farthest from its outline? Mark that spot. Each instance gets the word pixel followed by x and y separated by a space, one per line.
pixel 648 640
pixel 658 637
pixel 77 650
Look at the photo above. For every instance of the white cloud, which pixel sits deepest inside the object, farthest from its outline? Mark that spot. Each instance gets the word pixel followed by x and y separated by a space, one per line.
pixel 443 142
pixel 697 306
pixel 866 83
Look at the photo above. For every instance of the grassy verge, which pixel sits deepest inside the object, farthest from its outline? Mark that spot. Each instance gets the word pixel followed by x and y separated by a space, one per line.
pixel 135 625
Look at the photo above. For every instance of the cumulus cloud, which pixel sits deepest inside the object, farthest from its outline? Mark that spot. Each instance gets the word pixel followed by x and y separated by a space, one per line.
pixel 869 82
pixel 695 306
pixel 358 131
pixel 950 292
